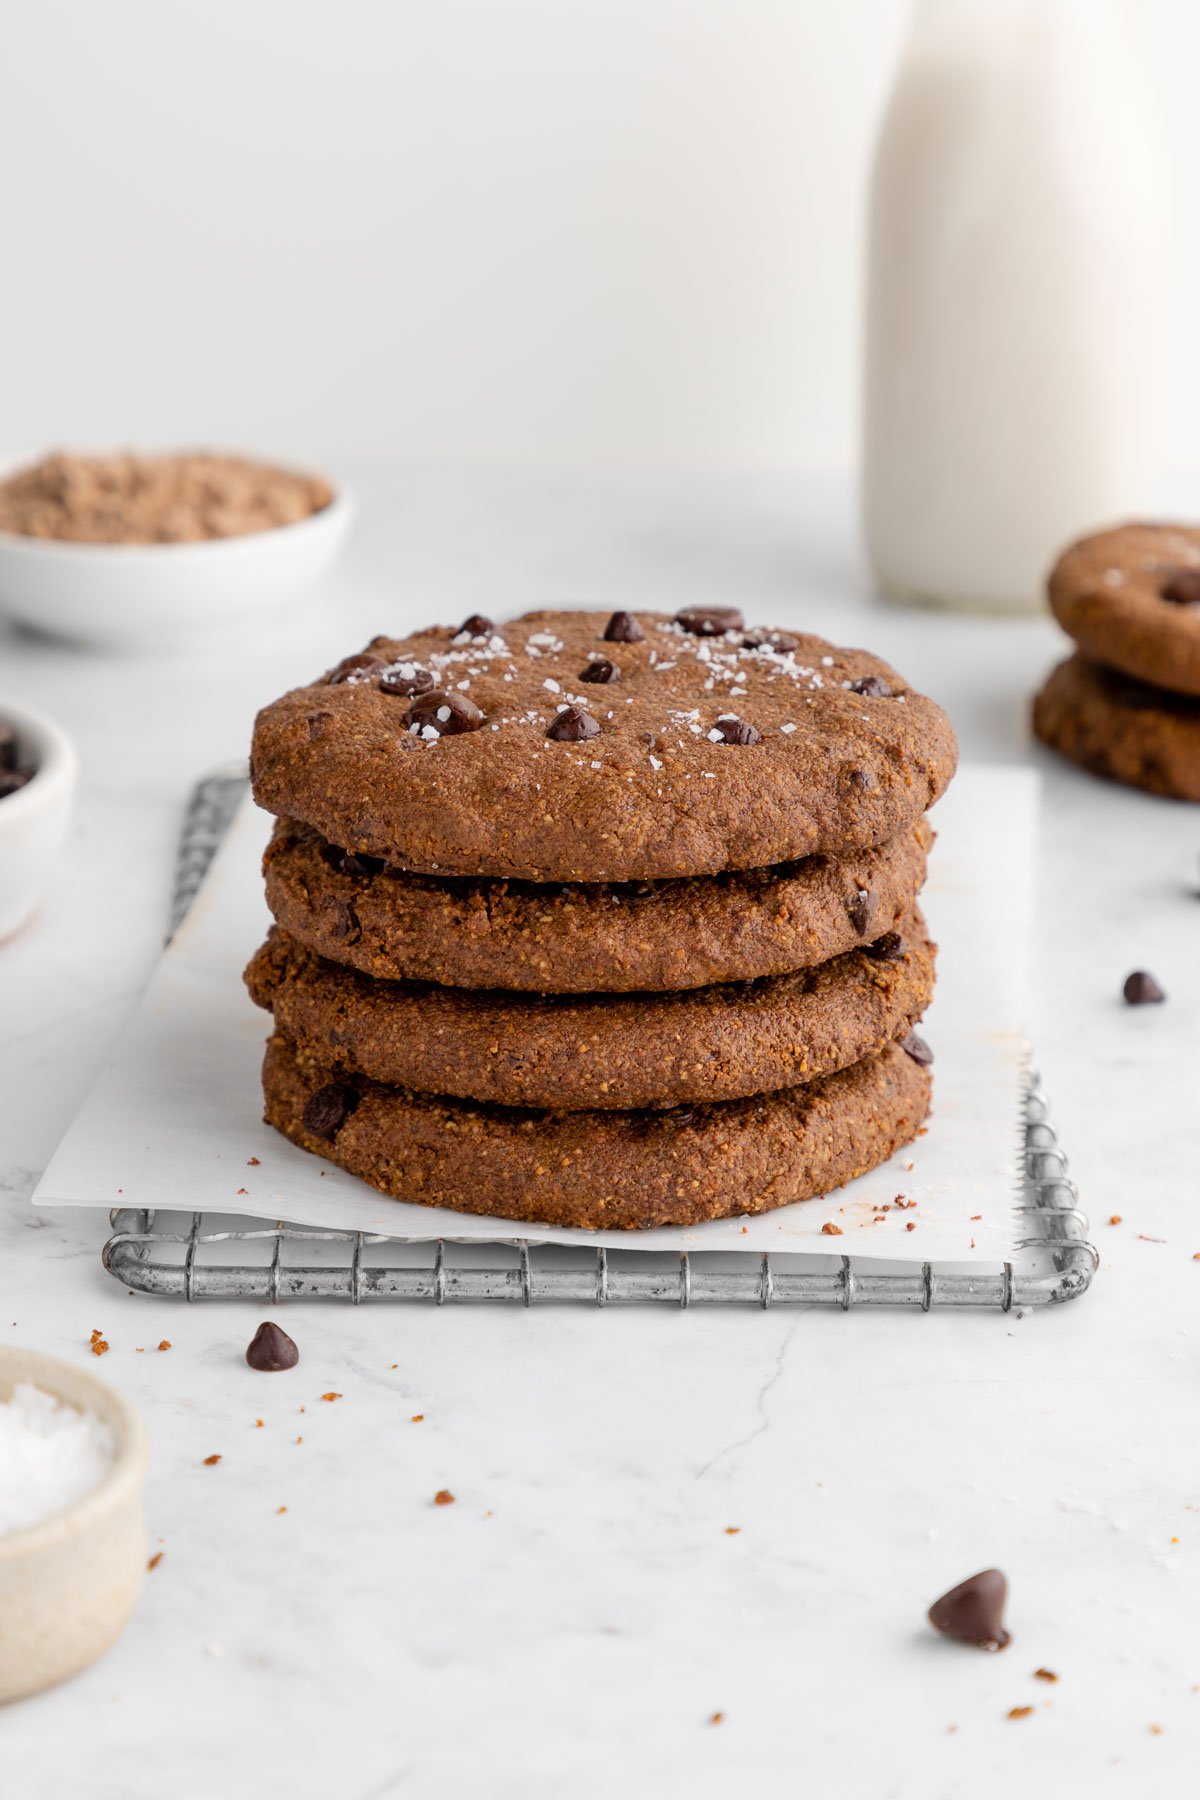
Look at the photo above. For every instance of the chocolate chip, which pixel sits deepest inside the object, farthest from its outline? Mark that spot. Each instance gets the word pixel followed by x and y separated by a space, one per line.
pixel 572 725
pixel 8 746
pixel 709 621
pixel 600 670
pixel 326 1111
pixel 861 908
pixel 623 628
pixel 1182 587
pixel 350 862
pixel 888 948
pixel 861 778
pixel 917 1048
pixel 768 640
pixel 271 1349
pixel 873 687
pixel 973 1612
pixel 734 731
pixel 1141 989
pixel 447 713
pixel 476 627
pixel 406 680
pixel 11 780
pixel 353 665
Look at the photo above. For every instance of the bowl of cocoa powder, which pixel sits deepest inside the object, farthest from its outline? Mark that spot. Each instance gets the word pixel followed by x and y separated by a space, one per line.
pixel 126 549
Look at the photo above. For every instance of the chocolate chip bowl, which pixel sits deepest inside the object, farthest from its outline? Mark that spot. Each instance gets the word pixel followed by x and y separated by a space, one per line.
pixel 37 782
pixel 134 552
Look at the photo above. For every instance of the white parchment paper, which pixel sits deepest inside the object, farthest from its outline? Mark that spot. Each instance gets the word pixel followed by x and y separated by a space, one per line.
pixel 174 1120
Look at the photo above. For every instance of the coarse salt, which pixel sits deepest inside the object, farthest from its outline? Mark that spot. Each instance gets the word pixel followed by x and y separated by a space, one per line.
pixel 51 1454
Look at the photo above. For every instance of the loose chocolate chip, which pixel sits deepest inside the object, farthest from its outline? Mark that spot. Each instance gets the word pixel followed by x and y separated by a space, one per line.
pixel 1141 989
pixel 572 725
pixel 600 670
pixel 872 687
pixel 734 731
pixel 973 1612
pixel 888 948
pixel 406 680
pixel 353 665
pixel 861 908
pixel 350 862
pixel 476 627
pixel 768 640
pixel 447 713
pixel 918 1049
pixel 709 621
pixel 623 628
pixel 8 746
pixel 1182 587
pixel 271 1349
pixel 11 780
pixel 326 1111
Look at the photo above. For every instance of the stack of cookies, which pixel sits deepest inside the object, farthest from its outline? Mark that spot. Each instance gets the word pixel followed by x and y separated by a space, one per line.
pixel 599 920
pixel 1127 703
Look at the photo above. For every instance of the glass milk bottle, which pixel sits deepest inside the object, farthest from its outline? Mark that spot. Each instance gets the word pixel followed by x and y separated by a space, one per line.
pixel 1016 262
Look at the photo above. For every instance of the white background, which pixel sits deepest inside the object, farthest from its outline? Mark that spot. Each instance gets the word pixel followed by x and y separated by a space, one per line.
pixel 613 232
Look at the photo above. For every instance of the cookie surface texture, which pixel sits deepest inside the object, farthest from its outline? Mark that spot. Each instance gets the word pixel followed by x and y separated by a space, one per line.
pixel 497 752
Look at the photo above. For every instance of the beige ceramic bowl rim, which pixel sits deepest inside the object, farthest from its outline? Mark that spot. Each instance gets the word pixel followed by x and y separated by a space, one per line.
pixel 64 1380
pixel 212 549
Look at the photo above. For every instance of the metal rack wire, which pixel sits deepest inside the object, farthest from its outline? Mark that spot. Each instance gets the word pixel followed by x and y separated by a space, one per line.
pixel 200 1256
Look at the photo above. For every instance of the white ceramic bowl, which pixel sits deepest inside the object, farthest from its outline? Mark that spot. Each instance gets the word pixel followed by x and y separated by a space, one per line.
pixel 131 595
pixel 33 821
pixel 69 1585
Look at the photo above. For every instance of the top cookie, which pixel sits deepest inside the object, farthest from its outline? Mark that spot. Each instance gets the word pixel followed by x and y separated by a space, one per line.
pixel 1130 598
pixel 597 747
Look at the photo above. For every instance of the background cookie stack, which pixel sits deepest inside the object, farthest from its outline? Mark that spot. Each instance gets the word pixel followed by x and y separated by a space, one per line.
pixel 600 921
pixel 1127 704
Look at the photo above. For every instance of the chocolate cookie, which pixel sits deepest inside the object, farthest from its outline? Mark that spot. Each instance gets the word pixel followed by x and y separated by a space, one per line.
pixel 602 1052
pixel 614 938
pixel 621 1170
pixel 1140 735
pixel 581 747
pixel 1131 598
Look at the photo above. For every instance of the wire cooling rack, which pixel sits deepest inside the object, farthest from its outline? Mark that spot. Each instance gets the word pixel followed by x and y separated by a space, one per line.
pixel 201 1256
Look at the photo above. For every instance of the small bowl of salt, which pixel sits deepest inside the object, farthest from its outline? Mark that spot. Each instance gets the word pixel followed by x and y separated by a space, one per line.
pixel 73 1459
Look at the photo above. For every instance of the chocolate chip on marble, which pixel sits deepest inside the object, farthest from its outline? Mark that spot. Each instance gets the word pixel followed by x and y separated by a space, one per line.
pixel 1141 989
pixel 406 680
pixel 768 640
pixel 623 628
pixel 445 713
pixel 973 1612
pixel 709 621
pixel 1182 587
pixel 861 908
pixel 600 669
pixel 326 1111
pixel 872 687
pixel 350 862
pixel 271 1349
pixel 8 746
pixel 888 948
pixel 476 626
pixel 917 1048
pixel 572 725
pixel 360 664
pixel 729 730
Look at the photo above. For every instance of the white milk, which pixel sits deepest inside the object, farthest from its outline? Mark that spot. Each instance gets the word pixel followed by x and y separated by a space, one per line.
pixel 1016 267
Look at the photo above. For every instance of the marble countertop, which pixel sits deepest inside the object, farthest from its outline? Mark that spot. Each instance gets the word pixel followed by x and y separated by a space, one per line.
pixel 660 1516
